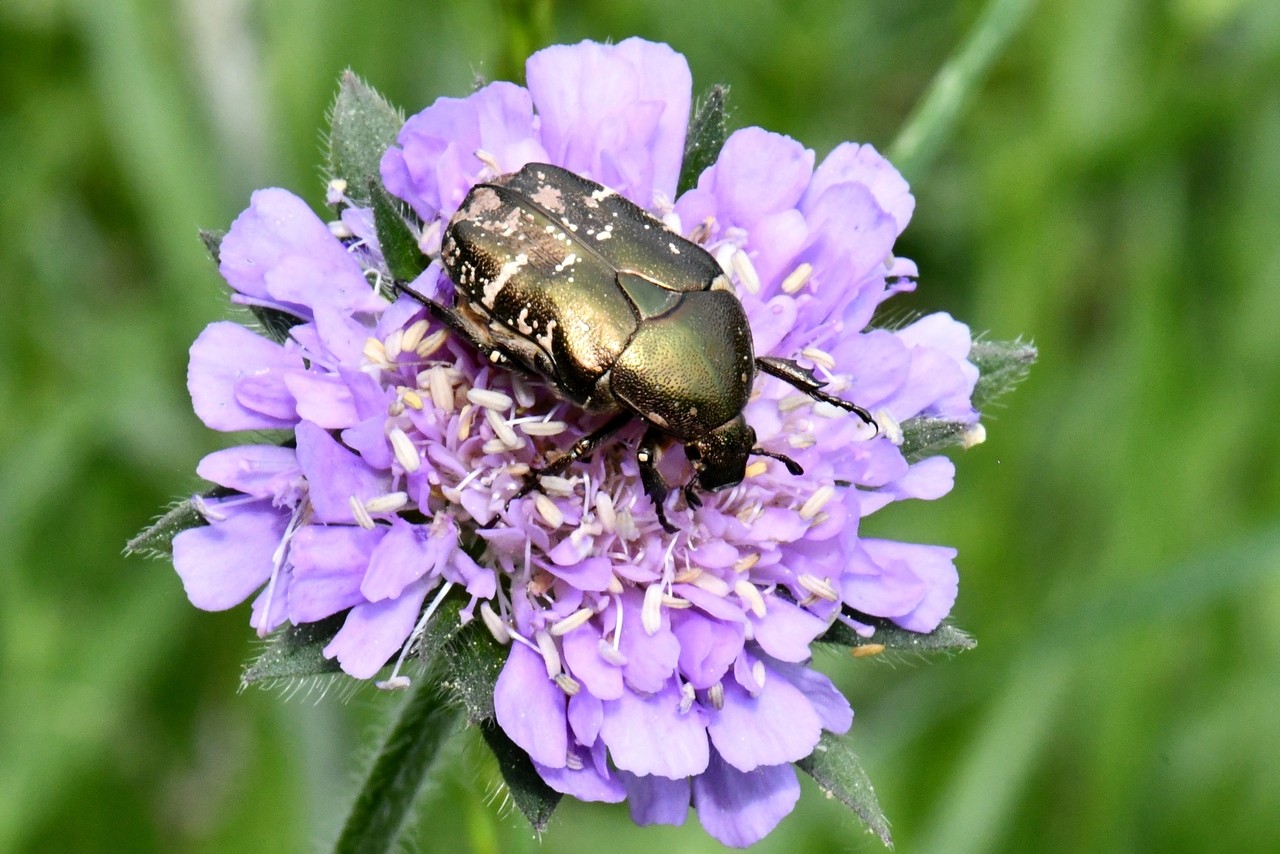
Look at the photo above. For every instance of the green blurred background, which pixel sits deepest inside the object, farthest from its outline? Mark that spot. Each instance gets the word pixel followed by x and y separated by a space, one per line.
pixel 1112 191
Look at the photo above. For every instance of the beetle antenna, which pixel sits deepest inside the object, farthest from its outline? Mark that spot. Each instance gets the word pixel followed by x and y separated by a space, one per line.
pixel 792 466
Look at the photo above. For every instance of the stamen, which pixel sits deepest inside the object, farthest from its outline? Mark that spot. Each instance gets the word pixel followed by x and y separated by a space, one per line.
pixel 339 229
pixel 465 417
pixel 758 674
pixel 750 596
pixel 755 469
pixel 889 426
pixel 501 429
pixel 802 440
pixel 669 601
pixel 867 650
pixel 412 399
pixel 702 230
pixel 817 501
pixel 611 654
pixel 712 584
pixel 441 390
pixel 573 761
pixel 523 391
pixel 388 503
pixel 489 398
pixel 687 697
pixel 555 485
pixel 687 575
pixel 605 513
pixel 395 408
pixel 392 344
pixel 336 188
pixel 571 622
pixel 207 510
pixel 418 630
pixel 543 428
pixel 395 683
pixel 651 610
pixel 745 563
pixel 797 278
pixel 495 624
pixel 615 586
pixel 819 357
pixel 361 515
pixel 375 351
pixel 431 343
pixel 488 160
pixel 567 684
pixel 550 655
pixel 412 335
pixel 494 446
pixel 547 509
pixel 747 275
pixel 793 401
pixel 974 434
pixel 406 453
pixel 715 695
pixel 819 587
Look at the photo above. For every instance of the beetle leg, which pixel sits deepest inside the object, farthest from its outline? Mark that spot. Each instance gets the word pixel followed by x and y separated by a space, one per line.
pixel 691 496
pixel 580 449
pixel 792 373
pixel 462 325
pixel 654 485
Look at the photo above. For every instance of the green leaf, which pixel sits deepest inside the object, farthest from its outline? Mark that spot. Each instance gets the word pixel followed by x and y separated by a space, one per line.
pixel 156 540
pixel 467 658
pixel 296 651
pixel 945 638
pixel 399 245
pixel 837 769
pixel 707 133
pixel 533 797
pixel 363 125
pixel 1001 366
pixel 378 815
pixel 925 437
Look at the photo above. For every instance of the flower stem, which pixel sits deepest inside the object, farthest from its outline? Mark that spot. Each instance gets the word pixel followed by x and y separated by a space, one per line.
pixel 935 115
pixel 387 795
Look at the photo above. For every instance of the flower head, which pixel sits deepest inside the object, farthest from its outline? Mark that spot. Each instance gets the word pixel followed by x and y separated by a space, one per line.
pixel 663 669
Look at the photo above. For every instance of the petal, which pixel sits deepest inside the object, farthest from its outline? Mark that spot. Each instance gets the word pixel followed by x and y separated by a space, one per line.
pixel 615 113
pixel 223 358
pixel 656 800
pixel 778 725
pixel 832 707
pixel 586 783
pixel 334 475
pixel 322 399
pixel 222 563
pixel 740 809
pixel 530 708
pixel 328 563
pixel 375 631
pixel 263 471
pixel 934 566
pixel 786 630
pixel 862 164
pixel 405 554
pixel 581 648
pixel 650 735
pixel 757 173
pixel 707 646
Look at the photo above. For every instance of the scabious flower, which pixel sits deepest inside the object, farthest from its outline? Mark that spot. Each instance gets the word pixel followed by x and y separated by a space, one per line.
pixel 661 669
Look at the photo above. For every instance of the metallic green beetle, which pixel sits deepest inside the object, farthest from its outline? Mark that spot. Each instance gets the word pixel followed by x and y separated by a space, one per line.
pixel 558 275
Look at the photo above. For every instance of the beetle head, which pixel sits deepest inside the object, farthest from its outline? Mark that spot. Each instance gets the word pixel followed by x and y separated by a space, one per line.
pixel 720 457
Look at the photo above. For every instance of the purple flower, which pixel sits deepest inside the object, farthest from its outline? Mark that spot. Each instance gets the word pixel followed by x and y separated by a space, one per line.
pixel 661 669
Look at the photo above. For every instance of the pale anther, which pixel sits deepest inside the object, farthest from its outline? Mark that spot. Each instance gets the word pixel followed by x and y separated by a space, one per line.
pixel 750 596
pixel 797 278
pixel 494 624
pixel 651 610
pixel 742 564
pixel 747 275
pixel 547 509
pixel 818 587
pixel 715 694
pixel 571 622
pixel 441 390
pixel 819 357
pixel 361 515
pixel 542 428
pixel 412 335
pixel 431 343
pixel 391 344
pixel 389 502
pixel 489 398
pixel 817 501
pixel 567 683
pixel 412 399
pixel 755 469
pixel 974 434
pixel 405 451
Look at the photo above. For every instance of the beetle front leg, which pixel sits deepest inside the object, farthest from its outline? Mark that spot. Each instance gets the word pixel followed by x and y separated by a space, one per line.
pixel 654 485
pixel 792 373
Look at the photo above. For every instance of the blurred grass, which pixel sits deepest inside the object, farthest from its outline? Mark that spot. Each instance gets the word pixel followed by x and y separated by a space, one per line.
pixel 1112 190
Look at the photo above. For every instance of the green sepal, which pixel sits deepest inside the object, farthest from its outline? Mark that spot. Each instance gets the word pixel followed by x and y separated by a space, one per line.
pixel 1001 366
pixel 466 657
pixel 399 246
pixel 212 240
pixel 363 125
pixel 531 795
pixel 296 651
pixel 837 770
pixel 156 540
pixel 707 132
pixel 945 638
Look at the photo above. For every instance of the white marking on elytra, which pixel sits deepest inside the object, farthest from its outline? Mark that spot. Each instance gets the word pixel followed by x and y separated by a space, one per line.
pixel 494 286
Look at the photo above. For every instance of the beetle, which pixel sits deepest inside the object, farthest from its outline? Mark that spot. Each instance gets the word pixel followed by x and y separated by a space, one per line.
pixel 565 278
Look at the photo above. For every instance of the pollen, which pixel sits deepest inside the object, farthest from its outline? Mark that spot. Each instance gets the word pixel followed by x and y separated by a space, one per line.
pixel 412 399
pixel 743 564
pixel 755 469
pixel 867 650
pixel 375 352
